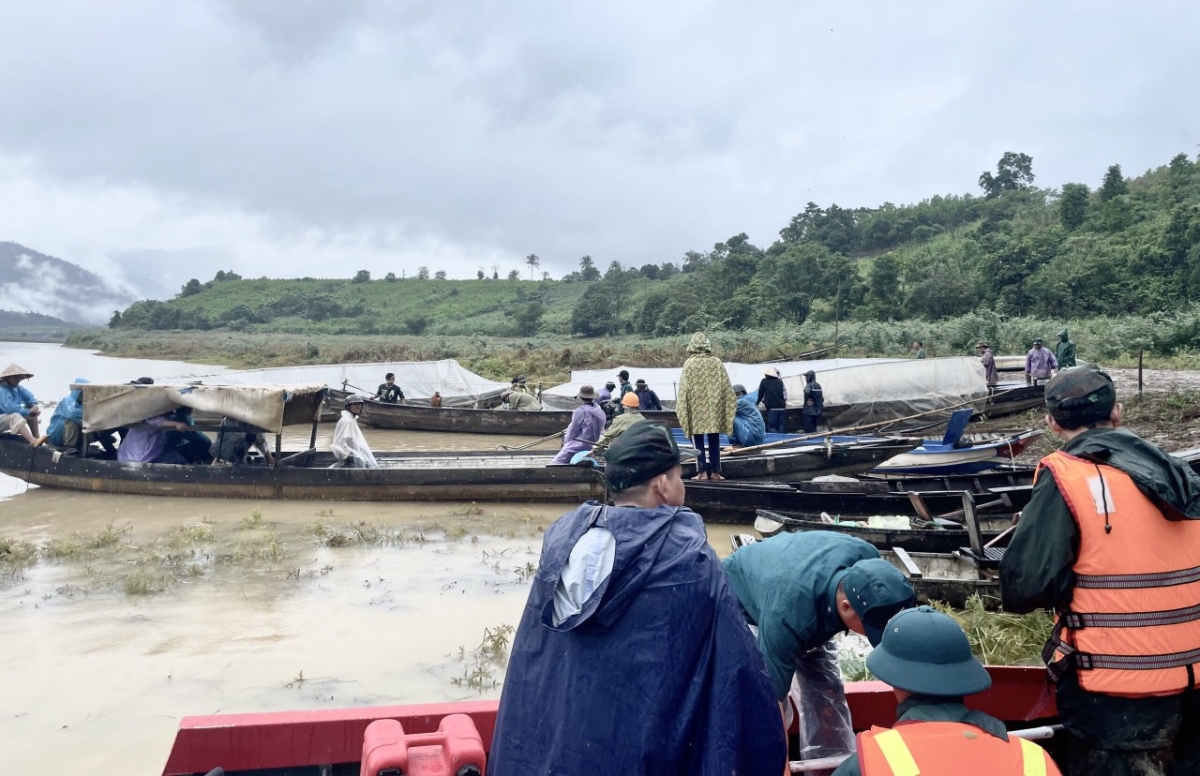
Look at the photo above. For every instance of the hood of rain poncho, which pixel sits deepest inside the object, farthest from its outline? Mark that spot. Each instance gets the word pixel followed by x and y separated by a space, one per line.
pixel 1062 335
pixel 70 408
pixel 810 376
pixel 661 630
pixel 350 445
pixel 699 343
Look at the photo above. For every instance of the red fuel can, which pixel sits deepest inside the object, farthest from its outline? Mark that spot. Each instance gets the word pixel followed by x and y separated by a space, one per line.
pixel 454 750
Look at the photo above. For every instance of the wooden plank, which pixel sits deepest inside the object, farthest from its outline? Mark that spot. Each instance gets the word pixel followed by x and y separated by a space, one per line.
pixel 909 566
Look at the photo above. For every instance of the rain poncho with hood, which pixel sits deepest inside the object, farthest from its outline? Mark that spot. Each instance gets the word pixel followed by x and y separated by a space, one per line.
pixel 1064 351
pixel 70 408
pixel 749 429
pixel 705 400
pixel 350 446
pixel 646 669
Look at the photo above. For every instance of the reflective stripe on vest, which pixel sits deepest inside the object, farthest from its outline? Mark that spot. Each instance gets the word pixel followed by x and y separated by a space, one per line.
pixel 949 749
pixel 1133 627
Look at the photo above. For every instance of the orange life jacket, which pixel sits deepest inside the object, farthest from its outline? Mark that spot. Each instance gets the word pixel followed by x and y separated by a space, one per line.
pixel 948 749
pixel 1133 626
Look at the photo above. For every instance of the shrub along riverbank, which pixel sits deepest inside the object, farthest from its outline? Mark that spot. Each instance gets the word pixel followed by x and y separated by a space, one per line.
pixel 1110 341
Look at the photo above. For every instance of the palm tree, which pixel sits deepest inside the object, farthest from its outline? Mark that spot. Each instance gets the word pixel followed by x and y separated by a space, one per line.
pixel 533 261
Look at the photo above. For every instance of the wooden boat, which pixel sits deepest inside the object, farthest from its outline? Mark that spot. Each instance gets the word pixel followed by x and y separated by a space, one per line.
pixel 1011 397
pixel 736 502
pixel 917 538
pixel 971 453
pixel 330 741
pixel 951 578
pixel 447 476
pixel 410 417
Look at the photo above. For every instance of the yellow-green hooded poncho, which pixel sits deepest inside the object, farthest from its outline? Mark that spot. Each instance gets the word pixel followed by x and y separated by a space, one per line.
pixel 705 402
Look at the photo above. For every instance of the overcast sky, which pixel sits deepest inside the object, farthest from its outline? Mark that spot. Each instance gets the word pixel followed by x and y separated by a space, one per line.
pixel 165 140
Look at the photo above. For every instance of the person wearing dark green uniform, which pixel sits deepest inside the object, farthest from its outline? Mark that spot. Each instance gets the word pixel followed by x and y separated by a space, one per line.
pixel 800 590
pixel 1064 351
pixel 926 658
pixel 1110 734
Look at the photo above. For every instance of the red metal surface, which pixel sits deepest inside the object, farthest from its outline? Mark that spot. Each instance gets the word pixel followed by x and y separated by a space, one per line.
pixel 241 742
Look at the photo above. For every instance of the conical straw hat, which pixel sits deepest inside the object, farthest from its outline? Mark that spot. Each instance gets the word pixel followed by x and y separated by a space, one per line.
pixel 15 371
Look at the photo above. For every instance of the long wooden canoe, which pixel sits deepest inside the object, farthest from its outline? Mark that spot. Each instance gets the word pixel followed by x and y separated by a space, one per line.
pixel 914 539
pixel 738 502
pixel 467 420
pixel 449 476
pixel 330 741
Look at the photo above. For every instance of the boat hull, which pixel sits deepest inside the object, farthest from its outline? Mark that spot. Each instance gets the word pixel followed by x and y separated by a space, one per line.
pixel 467 420
pixel 301 743
pixel 914 540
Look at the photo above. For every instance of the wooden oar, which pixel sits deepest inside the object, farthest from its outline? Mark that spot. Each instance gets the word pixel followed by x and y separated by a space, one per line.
pixel 555 435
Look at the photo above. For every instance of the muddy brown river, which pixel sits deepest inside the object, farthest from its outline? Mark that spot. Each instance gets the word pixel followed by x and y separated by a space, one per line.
pixel 123 614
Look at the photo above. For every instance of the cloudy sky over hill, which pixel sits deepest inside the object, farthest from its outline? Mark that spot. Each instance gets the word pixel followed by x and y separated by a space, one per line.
pixel 167 140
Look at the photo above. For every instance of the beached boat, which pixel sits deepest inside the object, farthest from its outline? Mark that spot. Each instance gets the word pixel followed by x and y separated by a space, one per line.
pixel 409 417
pixel 948 577
pixel 968 453
pixel 734 502
pixel 918 536
pixel 330 741
pixel 1011 397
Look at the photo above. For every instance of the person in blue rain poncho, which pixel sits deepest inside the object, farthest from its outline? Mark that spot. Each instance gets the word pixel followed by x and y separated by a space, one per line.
pixel 632 655
pixel 749 428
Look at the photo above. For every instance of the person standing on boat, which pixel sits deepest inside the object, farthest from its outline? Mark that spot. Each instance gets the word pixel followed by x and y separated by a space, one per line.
pixel 19 409
pixel 1111 541
pixel 623 381
pixel 920 348
pixel 988 359
pixel 705 405
pixel 1064 351
pixel 748 426
pixel 647 398
pixel 620 424
pixel 1040 363
pixel 349 446
pixel 772 395
pixel 926 658
pixel 632 656
pixel 814 402
pixel 799 590
pixel 388 392
pixel 587 424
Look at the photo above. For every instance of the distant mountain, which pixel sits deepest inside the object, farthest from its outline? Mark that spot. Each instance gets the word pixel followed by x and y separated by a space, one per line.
pixel 12 319
pixel 37 283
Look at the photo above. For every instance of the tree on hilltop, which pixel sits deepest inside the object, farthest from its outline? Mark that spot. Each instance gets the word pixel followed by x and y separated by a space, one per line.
pixel 534 262
pixel 1014 171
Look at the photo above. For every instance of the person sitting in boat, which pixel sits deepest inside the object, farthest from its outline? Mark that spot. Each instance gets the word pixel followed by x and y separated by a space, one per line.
pixel 517 398
pixel 19 408
pixel 193 445
pixel 749 428
pixel 435 401
pixel 630 606
pixel 926 658
pixel 605 393
pixel 349 445
pixel 146 442
pixel 388 392
pixel 800 590
pixel 620 424
pixel 587 424
pixel 66 424
pixel 234 442
pixel 647 398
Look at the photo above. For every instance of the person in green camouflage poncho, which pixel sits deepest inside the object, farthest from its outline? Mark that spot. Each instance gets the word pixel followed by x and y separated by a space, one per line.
pixel 705 405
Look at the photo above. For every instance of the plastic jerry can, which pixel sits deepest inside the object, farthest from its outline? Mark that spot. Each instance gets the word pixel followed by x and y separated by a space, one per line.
pixel 454 750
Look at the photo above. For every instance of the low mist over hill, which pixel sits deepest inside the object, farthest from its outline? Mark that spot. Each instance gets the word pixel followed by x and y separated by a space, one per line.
pixel 36 283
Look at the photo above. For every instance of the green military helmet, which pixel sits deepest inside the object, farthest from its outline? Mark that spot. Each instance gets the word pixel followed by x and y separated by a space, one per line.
pixel 924 651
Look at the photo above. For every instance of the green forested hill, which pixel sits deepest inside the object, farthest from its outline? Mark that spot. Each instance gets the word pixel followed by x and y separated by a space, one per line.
pixel 1129 248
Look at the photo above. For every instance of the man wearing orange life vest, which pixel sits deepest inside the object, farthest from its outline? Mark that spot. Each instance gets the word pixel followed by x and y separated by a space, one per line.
pixel 927 660
pixel 1111 541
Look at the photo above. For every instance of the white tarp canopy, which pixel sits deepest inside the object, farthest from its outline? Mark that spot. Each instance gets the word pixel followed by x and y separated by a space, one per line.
pixel 665 380
pixel 870 393
pixel 269 407
pixel 459 386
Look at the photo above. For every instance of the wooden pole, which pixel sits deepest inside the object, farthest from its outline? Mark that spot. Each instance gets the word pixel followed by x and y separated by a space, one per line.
pixel 1141 355
pixel 837 307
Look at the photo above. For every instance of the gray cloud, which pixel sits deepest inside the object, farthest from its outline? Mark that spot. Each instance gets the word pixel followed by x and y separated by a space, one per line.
pixel 311 138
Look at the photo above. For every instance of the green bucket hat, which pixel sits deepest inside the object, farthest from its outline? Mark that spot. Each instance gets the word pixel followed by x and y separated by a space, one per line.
pixel 877 590
pixel 924 651
pixel 1080 395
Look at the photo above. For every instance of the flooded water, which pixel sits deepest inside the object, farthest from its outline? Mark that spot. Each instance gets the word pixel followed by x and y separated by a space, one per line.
pixel 123 614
